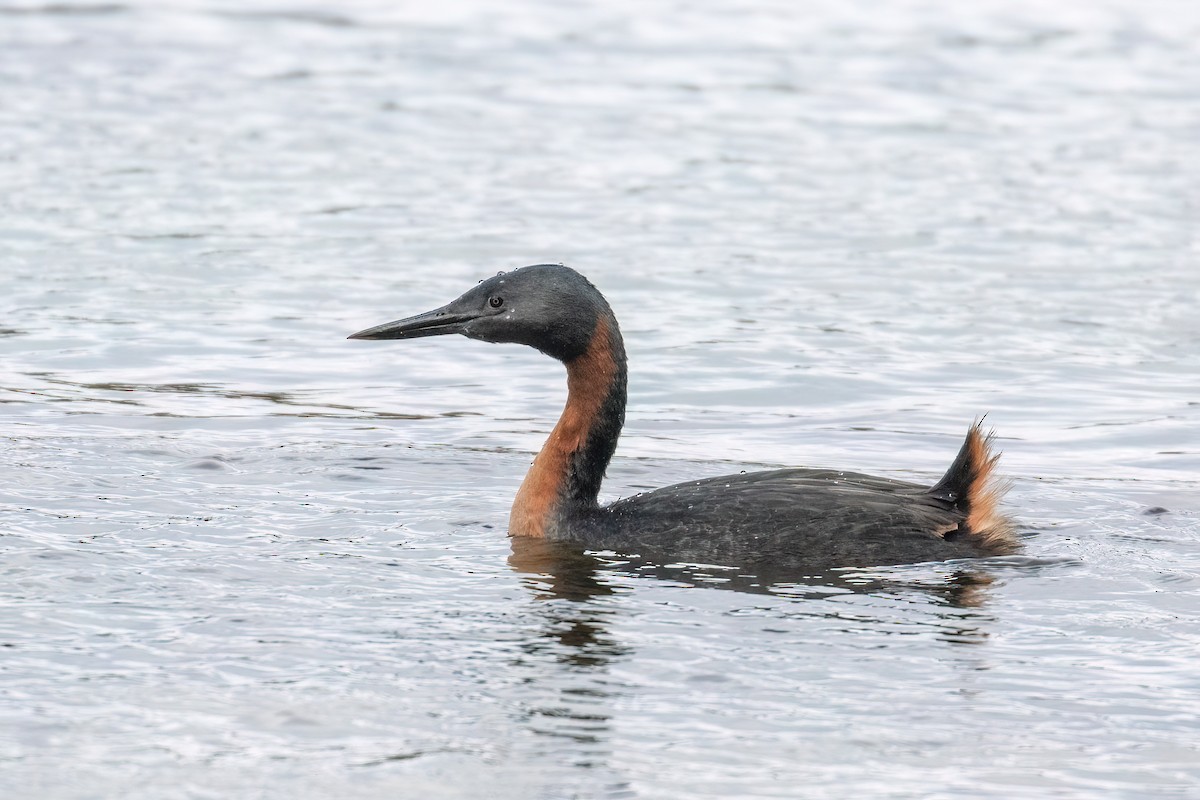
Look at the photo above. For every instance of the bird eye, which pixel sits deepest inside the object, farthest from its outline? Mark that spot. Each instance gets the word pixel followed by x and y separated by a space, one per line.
pixel 496 302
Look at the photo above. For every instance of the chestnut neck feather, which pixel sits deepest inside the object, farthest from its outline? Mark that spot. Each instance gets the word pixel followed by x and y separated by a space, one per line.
pixel 566 475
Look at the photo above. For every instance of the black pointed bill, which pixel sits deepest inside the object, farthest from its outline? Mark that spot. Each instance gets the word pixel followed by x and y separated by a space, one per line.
pixel 431 323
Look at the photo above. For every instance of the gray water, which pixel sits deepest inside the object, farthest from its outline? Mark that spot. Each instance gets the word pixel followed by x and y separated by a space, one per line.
pixel 244 557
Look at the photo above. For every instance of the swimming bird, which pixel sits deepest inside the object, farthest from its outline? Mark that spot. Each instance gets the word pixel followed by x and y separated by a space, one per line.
pixel 799 517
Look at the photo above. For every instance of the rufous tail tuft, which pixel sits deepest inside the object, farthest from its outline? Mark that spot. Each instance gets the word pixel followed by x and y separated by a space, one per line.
pixel 973 487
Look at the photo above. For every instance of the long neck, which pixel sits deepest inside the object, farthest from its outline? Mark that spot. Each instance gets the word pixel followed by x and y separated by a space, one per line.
pixel 565 477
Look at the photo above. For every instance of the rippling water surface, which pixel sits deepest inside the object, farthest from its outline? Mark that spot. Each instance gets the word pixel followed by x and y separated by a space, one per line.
pixel 243 557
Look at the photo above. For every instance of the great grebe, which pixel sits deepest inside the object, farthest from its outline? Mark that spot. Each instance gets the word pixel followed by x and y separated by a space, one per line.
pixel 780 517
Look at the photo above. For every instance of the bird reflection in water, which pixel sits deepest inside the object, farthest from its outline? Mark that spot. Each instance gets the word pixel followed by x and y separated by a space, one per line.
pixel 564 571
pixel 579 598
pixel 561 571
